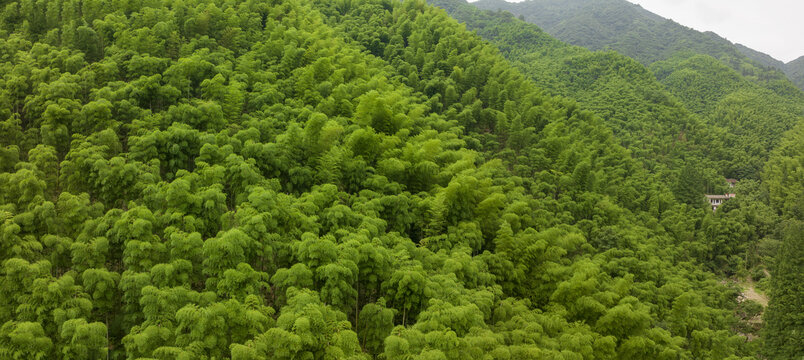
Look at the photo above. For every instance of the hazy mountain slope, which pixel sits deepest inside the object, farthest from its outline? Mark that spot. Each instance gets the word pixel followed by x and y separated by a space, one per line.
pixel 795 70
pixel 633 31
pixel 615 24
pixel 760 57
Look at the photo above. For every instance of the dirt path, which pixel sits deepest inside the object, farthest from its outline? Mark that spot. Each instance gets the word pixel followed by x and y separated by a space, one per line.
pixel 748 291
pixel 751 294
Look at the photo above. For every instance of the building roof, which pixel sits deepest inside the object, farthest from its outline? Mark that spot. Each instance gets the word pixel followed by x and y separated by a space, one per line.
pixel 731 181
pixel 726 196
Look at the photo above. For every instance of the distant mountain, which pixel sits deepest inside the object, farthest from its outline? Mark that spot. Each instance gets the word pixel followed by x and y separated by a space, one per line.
pixel 795 71
pixel 628 28
pixel 760 57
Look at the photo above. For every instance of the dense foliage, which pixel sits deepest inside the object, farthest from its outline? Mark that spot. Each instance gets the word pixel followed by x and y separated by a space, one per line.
pixel 691 151
pixel 741 122
pixel 784 176
pixel 648 120
pixel 753 118
pixel 208 179
pixel 696 110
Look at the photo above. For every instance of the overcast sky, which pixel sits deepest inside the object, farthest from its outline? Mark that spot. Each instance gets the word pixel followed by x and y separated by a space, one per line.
pixel 774 27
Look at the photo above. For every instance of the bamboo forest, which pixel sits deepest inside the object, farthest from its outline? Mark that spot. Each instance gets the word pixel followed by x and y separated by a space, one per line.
pixel 387 179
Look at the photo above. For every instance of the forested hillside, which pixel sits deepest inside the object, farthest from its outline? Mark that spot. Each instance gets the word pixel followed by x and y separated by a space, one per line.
pixel 795 70
pixel 631 30
pixel 643 115
pixel 694 110
pixel 784 176
pixel 210 179
pixel 755 118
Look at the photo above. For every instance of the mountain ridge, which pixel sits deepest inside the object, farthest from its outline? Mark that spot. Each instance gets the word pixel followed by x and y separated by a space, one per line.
pixel 632 30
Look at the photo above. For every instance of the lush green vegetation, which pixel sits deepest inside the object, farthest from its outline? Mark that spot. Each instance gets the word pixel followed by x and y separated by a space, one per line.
pixel 735 119
pixel 784 176
pixel 647 120
pixel 754 118
pixel 694 110
pixel 208 179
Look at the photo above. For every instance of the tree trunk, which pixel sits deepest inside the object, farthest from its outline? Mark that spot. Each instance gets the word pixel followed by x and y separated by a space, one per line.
pixel 357 304
pixel 108 347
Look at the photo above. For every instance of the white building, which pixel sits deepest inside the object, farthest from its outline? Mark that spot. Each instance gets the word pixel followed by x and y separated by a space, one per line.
pixel 716 200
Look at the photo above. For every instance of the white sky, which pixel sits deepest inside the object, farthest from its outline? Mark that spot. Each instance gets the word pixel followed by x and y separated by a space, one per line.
pixel 774 27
